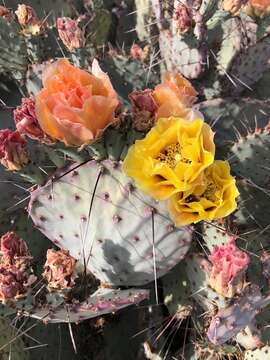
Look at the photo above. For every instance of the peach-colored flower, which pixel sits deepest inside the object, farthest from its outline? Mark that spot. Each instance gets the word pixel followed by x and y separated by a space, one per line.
pixel 233 6
pixel 59 269
pixel 75 106
pixel 174 96
pixel 259 8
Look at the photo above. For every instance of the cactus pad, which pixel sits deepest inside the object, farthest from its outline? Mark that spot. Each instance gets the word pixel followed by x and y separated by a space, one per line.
pixel 119 234
pixel 103 301
pixel 258 354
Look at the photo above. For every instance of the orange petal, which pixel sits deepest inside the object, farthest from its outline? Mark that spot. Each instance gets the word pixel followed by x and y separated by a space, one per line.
pixel 98 112
pixel 73 133
pixel 97 71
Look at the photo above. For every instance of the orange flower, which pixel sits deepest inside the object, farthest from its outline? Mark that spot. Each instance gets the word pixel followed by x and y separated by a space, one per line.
pixel 75 106
pixel 258 8
pixel 174 96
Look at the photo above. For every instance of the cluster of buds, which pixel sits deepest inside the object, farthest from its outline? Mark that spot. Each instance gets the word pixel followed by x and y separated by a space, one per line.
pixel 27 123
pixel 13 153
pixel 59 270
pixel 16 276
pixel 70 33
pixel 229 264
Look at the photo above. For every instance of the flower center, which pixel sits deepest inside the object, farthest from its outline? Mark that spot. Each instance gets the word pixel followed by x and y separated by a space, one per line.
pixel 209 193
pixel 171 155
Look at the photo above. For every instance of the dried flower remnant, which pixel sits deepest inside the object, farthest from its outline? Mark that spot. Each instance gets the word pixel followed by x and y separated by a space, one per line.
pixel 59 269
pixel 70 33
pixel 27 123
pixel 183 17
pixel 12 246
pixel 144 109
pixel 13 153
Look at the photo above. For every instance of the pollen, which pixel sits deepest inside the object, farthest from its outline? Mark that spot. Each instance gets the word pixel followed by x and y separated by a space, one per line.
pixel 171 155
pixel 210 191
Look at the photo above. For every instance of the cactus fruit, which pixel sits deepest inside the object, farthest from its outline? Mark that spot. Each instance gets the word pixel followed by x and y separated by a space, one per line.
pixel 137 241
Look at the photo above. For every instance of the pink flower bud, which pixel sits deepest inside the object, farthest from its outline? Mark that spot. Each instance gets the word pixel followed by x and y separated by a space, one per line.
pixel 13 154
pixel 27 123
pixel 59 269
pixel 11 246
pixel 228 270
pixel 70 33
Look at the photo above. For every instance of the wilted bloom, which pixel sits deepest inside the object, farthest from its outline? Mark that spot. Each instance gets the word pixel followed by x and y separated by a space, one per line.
pixel 25 14
pixel 5 13
pixel 11 246
pixel 59 269
pixel 171 157
pixel 233 6
pixel 183 17
pixel 70 33
pixel 213 198
pixel 75 106
pixel 144 108
pixel 258 8
pixel 138 53
pixel 28 19
pixel 13 154
pixel 14 283
pixel 27 123
pixel 227 276
pixel 174 96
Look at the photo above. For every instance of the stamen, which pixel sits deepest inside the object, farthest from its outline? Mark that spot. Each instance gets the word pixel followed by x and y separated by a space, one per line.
pixel 171 155
pixel 209 193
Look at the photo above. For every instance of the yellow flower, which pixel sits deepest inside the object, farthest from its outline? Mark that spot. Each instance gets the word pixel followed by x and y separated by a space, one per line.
pixel 171 157
pixel 214 199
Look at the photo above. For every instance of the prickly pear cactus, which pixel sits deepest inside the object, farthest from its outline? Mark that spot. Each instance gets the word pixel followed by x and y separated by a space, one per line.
pixel 197 249
pixel 119 234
